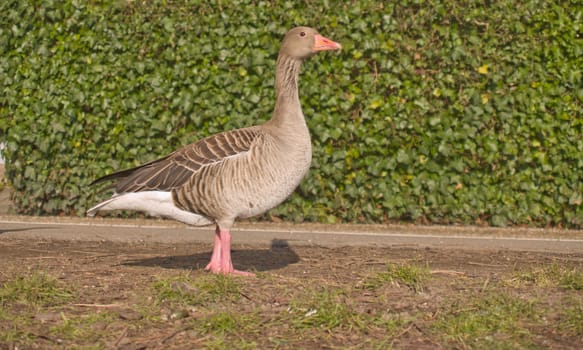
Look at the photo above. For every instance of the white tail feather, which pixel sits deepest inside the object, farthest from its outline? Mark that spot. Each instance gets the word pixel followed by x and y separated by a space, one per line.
pixel 154 203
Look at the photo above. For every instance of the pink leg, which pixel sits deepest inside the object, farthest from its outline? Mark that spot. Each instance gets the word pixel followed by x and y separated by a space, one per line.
pixel 221 259
pixel 215 262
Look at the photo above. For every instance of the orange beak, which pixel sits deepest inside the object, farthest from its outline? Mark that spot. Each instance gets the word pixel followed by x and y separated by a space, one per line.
pixel 321 44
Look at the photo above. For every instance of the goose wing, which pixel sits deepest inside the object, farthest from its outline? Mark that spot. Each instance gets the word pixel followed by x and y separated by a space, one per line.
pixel 174 170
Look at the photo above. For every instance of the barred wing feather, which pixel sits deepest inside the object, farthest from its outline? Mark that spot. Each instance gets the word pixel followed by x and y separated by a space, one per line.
pixel 174 170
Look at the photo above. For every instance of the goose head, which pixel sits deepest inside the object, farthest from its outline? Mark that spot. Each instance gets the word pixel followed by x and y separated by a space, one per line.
pixel 303 42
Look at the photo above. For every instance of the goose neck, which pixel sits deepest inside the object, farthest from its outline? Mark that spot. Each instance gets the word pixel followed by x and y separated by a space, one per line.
pixel 286 76
pixel 287 104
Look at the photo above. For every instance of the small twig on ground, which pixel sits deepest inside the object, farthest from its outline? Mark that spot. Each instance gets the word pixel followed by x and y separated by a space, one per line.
pixel 46 337
pixel 406 330
pixel 488 265
pixel 448 272
pixel 175 333
pixel 459 311
pixel 98 305
pixel 246 296
pixel 120 338
pixel 485 285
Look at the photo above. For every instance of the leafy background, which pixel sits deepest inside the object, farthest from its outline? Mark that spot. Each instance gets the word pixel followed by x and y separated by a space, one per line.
pixel 459 111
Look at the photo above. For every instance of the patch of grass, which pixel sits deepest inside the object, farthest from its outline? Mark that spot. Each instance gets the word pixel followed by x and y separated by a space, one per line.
pixel 222 322
pixel 197 291
pixel 549 276
pixel 326 309
pixel 225 322
pixel 571 279
pixel 226 329
pixel 16 329
pixel 411 275
pixel 222 342
pixel 573 319
pixel 539 277
pixel 34 290
pixel 90 327
pixel 492 321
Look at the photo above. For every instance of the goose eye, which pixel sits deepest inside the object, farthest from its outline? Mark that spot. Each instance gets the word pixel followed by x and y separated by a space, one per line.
pixel 302 34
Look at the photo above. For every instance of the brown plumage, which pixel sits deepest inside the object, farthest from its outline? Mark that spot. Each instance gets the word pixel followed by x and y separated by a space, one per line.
pixel 174 170
pixel 234 174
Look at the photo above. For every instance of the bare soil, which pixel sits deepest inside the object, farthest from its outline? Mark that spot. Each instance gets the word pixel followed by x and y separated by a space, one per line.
pixel 113 284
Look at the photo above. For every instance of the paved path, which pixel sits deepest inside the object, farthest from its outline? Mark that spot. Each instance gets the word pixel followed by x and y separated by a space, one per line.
pixel 136 230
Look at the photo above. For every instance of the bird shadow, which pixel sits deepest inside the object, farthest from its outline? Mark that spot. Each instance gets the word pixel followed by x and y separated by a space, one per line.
pixel 279 255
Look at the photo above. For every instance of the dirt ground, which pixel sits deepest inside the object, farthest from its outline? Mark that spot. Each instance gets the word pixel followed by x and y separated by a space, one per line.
pixel 129 296
pixel 79 294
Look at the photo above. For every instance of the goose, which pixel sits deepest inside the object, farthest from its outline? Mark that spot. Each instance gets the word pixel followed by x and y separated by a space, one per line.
pixel 234 174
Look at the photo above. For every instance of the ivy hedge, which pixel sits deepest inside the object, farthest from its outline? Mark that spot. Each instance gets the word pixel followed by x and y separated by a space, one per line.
pixel 449 111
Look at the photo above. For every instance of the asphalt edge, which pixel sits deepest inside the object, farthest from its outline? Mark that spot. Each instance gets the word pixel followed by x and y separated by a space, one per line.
pixel 365 229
